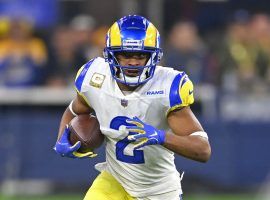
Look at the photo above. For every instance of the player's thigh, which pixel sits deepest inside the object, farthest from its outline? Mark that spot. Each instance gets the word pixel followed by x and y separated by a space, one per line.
pixel 105 187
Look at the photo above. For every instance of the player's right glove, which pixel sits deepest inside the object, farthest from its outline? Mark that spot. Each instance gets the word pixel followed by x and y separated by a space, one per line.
pixel 64 148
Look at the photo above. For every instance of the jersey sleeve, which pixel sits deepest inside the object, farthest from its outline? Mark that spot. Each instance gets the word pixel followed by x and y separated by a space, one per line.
pixel 81 83
pixel 181 92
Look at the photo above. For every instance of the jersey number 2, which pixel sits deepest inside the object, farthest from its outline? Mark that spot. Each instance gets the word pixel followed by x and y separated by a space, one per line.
pixel 138 156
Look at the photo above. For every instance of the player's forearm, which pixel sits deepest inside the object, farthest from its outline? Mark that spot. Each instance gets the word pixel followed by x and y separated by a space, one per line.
pixel 66 118
pixel 192 147
pixel 76 107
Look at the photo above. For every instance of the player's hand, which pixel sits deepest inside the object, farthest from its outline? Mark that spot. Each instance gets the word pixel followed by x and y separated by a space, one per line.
pixel 145 133
pixel 64 148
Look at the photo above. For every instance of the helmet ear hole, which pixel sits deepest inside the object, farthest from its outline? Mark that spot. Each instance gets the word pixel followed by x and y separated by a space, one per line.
pixel 160 55
pixel 105 54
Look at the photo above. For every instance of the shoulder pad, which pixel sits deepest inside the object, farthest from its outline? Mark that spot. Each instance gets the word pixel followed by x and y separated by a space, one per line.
pixel 181 91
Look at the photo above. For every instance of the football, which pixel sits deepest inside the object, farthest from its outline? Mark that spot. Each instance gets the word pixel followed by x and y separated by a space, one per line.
pixel 86 128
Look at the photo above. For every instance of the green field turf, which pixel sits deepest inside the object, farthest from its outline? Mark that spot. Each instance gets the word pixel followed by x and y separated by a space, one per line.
pixel 80 197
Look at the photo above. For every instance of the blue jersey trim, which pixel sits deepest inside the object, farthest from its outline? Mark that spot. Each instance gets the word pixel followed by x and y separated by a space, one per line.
pixel 174 90
pixel 80 78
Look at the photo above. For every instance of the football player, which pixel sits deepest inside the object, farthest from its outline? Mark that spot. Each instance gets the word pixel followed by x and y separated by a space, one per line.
pixel 143 110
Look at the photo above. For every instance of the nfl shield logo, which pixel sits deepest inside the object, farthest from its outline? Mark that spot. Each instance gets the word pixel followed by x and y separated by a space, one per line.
pixel 124 102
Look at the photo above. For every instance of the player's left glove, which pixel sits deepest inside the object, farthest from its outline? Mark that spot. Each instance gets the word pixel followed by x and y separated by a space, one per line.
pixel 145 133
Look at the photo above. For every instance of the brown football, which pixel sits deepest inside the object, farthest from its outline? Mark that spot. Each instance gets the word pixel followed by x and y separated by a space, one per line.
pixel 86 128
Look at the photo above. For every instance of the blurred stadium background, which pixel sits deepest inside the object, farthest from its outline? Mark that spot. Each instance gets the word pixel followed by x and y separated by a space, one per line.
pixel 223 44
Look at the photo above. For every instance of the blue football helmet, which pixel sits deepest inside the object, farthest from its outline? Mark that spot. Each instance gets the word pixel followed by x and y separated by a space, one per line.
pixel 133 33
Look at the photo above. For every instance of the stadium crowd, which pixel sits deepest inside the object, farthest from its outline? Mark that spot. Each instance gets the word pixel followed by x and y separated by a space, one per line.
pixel 236 59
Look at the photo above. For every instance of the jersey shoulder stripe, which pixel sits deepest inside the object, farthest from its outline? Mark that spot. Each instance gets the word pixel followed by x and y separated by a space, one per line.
pixel 81 75
pixel 174 90
pixel 181 91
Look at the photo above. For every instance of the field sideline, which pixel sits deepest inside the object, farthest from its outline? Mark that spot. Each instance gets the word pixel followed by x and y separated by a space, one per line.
pixel 80 197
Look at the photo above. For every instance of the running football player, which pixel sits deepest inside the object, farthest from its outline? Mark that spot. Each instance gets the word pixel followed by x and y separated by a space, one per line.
pixel 144 112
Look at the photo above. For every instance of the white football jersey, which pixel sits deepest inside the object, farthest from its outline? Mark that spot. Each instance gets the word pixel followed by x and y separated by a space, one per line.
pixel 151 169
